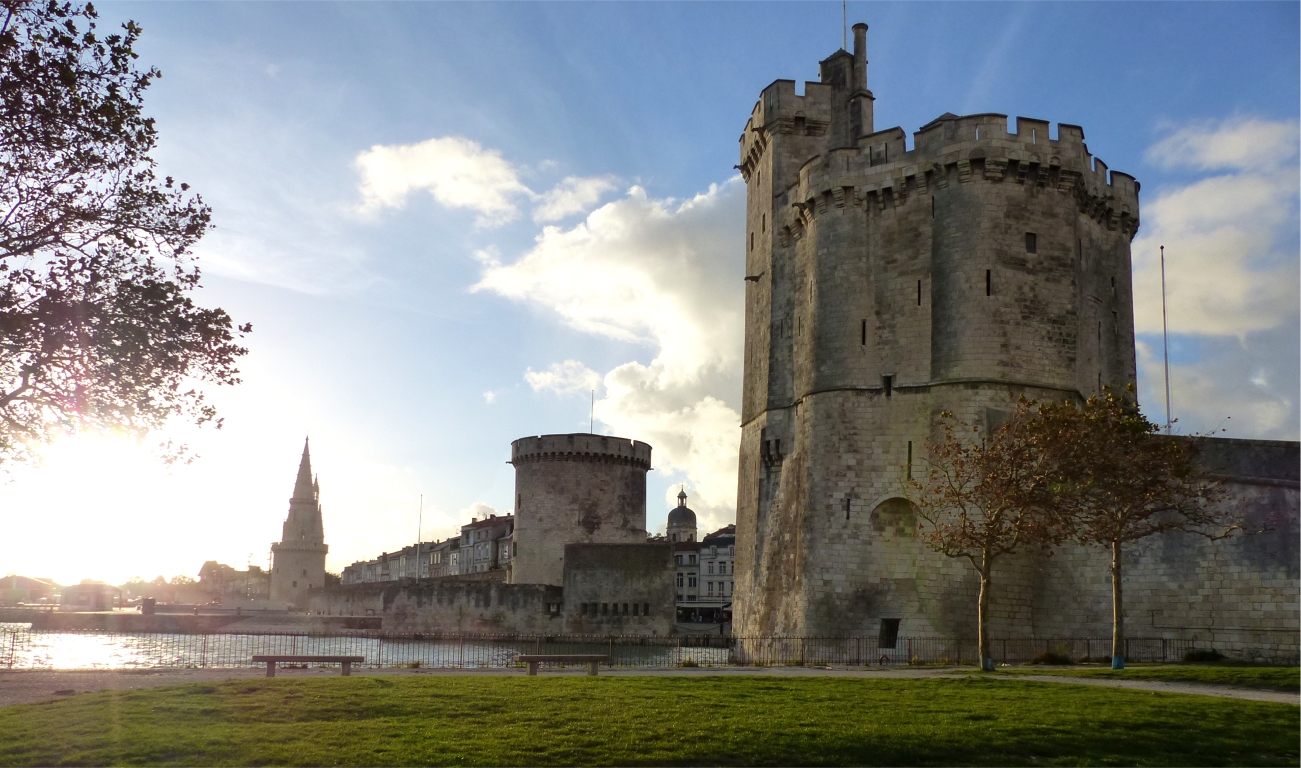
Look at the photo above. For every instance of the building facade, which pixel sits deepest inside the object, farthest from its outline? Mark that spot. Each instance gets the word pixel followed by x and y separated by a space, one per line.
pixel 298 559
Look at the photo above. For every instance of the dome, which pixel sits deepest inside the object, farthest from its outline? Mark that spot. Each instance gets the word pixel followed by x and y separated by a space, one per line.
pixel 682 516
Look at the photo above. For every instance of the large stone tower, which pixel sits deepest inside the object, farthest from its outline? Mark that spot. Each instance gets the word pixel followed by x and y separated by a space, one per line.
pixel 574 489
pixel 887 284
pixel 298 559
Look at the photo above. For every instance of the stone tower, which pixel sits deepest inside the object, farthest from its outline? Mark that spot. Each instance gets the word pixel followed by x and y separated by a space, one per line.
pixel 887 284
pixel 574 489
pixel 298 559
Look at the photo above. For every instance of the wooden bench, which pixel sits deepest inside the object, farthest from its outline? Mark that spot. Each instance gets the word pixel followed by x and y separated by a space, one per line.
pixel 271 661
pixel 534 659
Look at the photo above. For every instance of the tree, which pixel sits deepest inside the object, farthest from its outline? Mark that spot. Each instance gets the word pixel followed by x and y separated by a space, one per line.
pixel 986 497
pixel 1120 480
pixel 97 325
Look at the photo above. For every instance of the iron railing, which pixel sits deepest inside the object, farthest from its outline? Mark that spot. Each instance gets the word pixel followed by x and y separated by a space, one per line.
pixel 25 648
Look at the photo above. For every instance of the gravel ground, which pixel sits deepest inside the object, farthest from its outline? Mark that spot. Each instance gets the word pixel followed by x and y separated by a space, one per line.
pixel 26 686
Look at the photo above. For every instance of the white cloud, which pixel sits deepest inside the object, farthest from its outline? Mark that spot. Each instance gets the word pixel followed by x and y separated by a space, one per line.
pixel 490 397
pixel 1238 143
pixel 458 172
pixel 564 378
pixel 664 274
pixel 1220 391
pixel 477 511
pixel 572 195
pixel 1230 240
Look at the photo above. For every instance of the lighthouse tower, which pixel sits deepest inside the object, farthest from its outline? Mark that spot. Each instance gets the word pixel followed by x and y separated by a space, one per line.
pixel 298 559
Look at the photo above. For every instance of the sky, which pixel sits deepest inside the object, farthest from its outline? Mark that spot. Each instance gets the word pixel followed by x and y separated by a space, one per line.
pixel 450 224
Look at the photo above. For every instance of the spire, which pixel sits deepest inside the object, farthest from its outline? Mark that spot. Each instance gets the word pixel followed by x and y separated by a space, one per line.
pixel 682 497
pixel 303 489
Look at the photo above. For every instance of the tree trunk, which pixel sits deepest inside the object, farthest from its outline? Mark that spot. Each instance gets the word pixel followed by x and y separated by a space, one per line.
pixel 1117 610
pixel 982 616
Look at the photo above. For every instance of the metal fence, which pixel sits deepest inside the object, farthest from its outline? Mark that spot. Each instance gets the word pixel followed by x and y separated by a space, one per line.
pixel 25 648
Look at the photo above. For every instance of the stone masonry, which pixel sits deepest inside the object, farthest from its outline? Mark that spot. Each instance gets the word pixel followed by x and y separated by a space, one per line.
pixel 574 489
pixel 298 559
pixel 885 285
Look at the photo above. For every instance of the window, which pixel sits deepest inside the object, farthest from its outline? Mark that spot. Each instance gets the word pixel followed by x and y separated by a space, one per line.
pixel 711 568
pixel 1031 243
pixel 1113 286
pixel 691 559
pixel 889 637
pixel 605 608
pixel 679 557
pixel 910 460
pixel 295 585
pixel 645 609
pixel 679 581
pixel 863 335
pixel 722 568
pixel 763 222
pixel 1034 136
pixel 989 282
pixel 752 241
pixel 932 206
pixel 846 509
pixel 919 293
pixel 634 609
pixel 691 581
pixel 978 133
pixel 732 550
pixel 582 609
pixel 887 384
pixel 625 609
pixel 710 587
pixel 304 571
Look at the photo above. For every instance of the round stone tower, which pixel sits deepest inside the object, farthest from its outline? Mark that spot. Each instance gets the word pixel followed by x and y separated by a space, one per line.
pixel 885 285
pixel 574 489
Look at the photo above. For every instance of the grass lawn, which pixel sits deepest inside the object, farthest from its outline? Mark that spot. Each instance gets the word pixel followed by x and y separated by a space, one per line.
pixel 1287 679
pixel 646 721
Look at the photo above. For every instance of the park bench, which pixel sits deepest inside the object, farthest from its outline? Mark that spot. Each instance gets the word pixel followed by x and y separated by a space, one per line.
pixel 534 659
pixel 271 661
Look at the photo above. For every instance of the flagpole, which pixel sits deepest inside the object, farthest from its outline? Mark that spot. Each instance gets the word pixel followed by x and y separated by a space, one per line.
pixel 1165 344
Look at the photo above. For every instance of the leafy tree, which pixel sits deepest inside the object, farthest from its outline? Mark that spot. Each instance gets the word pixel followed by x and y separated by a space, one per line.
pixel 985 496
pixel 1121 480
pixel 97 325
pixel 182 581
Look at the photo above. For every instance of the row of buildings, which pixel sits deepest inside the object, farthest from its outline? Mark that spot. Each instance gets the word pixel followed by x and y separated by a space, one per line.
pixel 703 568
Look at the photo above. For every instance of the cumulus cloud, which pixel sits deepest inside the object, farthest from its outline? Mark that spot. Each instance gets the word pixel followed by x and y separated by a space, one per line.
pixel 1232 272
pixel 460 173
pixel 666 275
pixel 477 511
pixel 1230 239
pixel 564 378
pixel 1239 143
pixel 572 195
pixel 490 397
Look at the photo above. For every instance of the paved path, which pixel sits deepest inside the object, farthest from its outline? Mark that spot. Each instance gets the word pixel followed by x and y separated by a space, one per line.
pixel 1164 687
pixel 26 686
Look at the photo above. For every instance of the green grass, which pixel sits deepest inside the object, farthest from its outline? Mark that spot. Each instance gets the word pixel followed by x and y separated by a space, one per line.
pixel 646 721
pixel 1286 679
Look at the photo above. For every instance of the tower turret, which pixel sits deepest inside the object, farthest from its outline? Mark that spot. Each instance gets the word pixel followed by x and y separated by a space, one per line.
pixel 298 559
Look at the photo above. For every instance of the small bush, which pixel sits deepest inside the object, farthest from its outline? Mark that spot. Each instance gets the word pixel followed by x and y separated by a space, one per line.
pixel 1202 655
pixel 1052 657
pixel 689 663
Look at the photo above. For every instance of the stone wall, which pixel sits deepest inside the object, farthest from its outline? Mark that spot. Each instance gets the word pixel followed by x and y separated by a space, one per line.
pixel 574 489
pixel 619 589
pixel 448 606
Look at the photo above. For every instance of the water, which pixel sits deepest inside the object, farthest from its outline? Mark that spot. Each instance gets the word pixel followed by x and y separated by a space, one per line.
pixel 23 648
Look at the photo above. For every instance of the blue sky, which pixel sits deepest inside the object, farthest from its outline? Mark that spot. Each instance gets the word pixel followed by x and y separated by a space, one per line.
pixel 448 222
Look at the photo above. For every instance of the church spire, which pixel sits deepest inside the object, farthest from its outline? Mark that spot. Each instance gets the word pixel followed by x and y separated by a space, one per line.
pixel 303 486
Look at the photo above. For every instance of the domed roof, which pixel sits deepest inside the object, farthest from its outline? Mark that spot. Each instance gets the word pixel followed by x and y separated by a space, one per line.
pixel 682 516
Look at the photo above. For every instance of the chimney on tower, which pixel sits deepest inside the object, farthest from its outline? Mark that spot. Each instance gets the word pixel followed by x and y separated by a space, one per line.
pixel 860 100
pixel 860 57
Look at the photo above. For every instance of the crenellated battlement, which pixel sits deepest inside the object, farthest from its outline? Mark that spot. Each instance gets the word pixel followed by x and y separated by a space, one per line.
pixel 581 447
pixel 881 172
